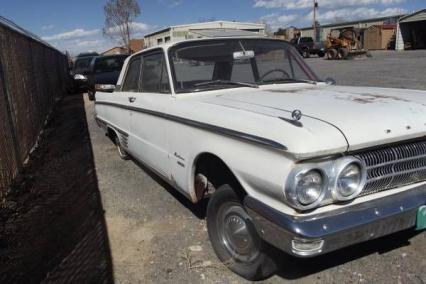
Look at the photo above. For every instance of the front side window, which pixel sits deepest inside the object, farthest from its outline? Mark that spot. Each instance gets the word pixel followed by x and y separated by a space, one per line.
pixel 131 82
pixel 231 63
pixel 154 74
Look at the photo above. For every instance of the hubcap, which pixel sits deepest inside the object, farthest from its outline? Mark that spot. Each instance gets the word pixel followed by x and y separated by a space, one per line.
pixel 236 234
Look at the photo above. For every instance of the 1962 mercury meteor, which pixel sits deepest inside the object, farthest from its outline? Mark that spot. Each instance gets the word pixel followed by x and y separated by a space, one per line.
pixel 287 161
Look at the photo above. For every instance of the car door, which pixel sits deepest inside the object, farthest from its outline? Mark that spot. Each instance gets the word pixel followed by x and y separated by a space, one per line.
pixel 113 108
pixel 148 126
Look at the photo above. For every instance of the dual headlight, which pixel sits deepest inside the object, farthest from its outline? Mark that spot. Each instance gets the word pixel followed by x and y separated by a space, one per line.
pixel 311 185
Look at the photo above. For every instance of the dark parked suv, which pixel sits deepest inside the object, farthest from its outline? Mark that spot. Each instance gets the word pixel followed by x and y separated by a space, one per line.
pixel 104 73
pixel 80 71
pixel 306 46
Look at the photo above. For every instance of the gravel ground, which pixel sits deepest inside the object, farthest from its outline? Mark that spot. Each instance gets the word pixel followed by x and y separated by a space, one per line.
pixel 157 236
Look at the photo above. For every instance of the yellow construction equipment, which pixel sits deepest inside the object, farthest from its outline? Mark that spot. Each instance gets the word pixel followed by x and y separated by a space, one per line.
pixel 344 43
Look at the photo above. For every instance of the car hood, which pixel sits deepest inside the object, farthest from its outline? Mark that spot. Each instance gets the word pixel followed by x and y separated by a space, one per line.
pixel 365 116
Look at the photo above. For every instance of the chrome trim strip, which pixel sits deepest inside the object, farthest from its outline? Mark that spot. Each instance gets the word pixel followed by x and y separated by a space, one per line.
pixel 204 126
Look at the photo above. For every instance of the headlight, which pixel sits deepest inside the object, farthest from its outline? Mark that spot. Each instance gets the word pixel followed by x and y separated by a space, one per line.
pixel 318 183
pixel 80 77
pixel 309 187
pixel 351 177
pixel 306 188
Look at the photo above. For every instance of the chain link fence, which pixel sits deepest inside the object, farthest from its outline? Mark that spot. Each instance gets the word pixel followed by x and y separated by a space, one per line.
pixel 32 78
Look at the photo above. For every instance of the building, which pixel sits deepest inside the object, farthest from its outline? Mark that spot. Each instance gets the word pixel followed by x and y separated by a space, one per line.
pixel 135 46
pixel 411 31
pixel 380 37
pixel 115 50
pixel 202 30
pixel 324 30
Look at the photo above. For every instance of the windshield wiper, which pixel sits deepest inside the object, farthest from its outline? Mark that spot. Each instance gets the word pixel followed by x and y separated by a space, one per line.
pixel 226 82
pixel 291 80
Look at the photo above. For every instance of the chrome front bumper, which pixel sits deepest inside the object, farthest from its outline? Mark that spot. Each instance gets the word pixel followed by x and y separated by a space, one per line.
pixel 329 231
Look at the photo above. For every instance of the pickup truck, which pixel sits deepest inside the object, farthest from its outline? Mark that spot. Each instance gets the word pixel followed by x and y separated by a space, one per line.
pixel 306 46
pixel 286 160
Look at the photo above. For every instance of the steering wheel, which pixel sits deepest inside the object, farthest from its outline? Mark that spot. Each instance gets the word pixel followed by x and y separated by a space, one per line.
pixel 285 73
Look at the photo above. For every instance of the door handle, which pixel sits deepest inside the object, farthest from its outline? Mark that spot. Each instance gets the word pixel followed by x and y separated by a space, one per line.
pixel 132 99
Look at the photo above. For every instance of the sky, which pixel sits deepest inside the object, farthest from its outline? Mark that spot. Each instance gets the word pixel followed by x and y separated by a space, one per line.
pixel 76 26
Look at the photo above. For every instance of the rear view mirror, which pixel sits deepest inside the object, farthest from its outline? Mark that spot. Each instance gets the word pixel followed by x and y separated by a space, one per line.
pixel 105 88
pixel 241 55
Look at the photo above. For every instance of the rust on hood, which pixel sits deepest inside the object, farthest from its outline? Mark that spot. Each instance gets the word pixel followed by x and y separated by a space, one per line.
pixel 367 98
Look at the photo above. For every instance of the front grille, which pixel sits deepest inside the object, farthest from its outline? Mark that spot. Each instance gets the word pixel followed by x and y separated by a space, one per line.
pixel 394 166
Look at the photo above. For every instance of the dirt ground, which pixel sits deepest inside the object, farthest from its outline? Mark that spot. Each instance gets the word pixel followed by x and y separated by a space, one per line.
pixel 156 236
pixel 52 225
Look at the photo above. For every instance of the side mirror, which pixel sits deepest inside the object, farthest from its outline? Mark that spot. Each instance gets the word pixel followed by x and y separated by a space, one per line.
pixel 108 88
pixel 80 77
pixel 330 81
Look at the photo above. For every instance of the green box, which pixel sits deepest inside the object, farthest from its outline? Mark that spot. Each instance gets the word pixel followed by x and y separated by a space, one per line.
pixel 421 218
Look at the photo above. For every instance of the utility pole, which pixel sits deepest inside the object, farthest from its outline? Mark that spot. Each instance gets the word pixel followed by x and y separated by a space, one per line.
pixel 315 19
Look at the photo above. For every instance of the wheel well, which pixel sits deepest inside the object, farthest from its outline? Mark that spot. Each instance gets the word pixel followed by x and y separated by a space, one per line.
pixel 111 134
pixel 210 173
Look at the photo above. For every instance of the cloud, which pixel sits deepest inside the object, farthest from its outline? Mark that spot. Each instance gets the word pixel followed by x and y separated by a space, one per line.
pixel 302 4
pixel 280 20
pixel 348 14
pixel 275 20
pixel 77 33
pixel 171 3
pixel 47 27
pixel 138 29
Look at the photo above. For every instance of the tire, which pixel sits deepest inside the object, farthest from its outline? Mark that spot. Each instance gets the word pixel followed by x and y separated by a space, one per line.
pixel 244 253
pixel 120 149
pixel 305 53
pixel 331 54
pixel 342 53
pixel 321 54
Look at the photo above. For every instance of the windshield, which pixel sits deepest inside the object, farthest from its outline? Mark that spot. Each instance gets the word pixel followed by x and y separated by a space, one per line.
pixel 231 63
pixel 82 64
pixel 109 64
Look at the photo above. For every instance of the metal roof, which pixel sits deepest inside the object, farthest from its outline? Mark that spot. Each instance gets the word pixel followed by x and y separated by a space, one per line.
pixel 215 33
pixel 417 16
pixel 11 25
pixel 203 23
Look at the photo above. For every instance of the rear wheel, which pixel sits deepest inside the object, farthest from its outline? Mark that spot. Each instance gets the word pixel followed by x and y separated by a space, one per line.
pixel 331 54
pixel 234 238
pixel 321 54
pixel 120 149
pixel 343 53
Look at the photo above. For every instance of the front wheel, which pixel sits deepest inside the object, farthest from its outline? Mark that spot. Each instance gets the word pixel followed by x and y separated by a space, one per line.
pixel 234 238
pixel 305 53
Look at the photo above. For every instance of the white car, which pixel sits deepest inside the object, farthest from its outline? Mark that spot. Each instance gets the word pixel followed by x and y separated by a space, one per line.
pixel 286 160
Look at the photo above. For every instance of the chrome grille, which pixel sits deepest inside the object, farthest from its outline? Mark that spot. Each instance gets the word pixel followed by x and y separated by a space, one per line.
pixel 394 166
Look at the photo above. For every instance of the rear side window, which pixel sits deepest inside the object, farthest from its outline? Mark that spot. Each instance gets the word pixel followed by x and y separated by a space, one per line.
pixel 131 83
pixel 154 74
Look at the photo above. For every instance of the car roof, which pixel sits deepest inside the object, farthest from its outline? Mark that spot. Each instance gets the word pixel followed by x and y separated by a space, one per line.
pixel 167 46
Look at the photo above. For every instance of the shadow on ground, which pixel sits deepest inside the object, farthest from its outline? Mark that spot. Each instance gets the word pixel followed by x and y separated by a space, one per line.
pixel 52 226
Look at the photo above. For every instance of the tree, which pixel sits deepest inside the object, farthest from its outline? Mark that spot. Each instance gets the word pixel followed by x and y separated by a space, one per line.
pixel 119 17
